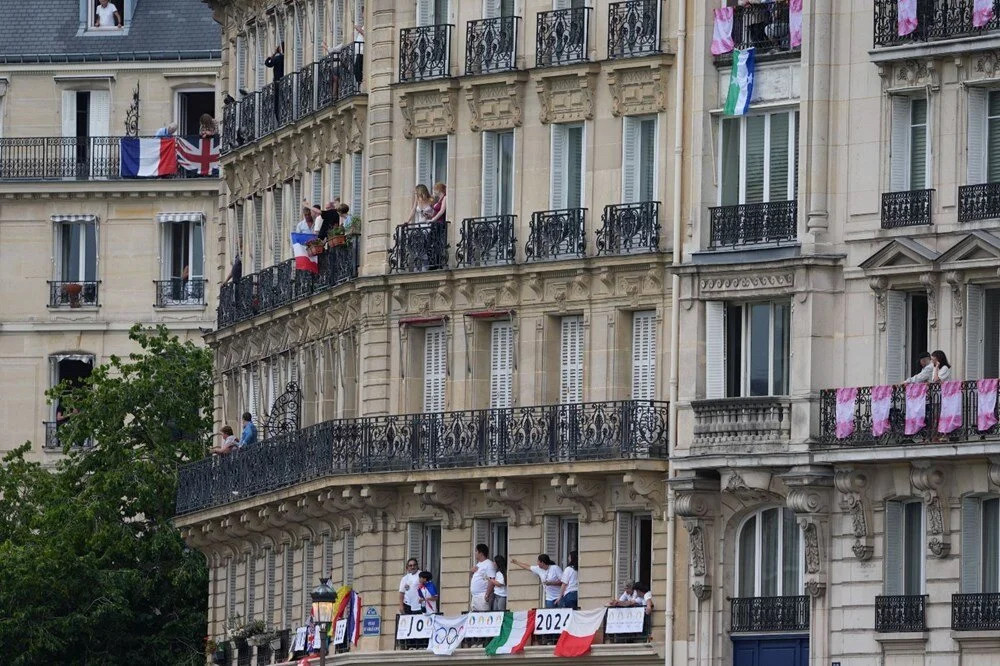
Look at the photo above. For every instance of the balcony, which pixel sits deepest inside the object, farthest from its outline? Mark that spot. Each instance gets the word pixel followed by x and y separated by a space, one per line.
pixel 764 27
pixel 975 612
pixel 979 202
pixel 491 45
pixel 280 285
pixel 53 441
pixel 557 234
pixel 425 53
pixel 421 442
pixel 756 614
pixel 417 248
pixel 177 292
pixel 487 241
pixel 861 431
pixel 73 294
pixel 633 28
pixel 936 20
pixel 753 224
pixel 561 36
pixel 741 424
pixel 906 209
pixel 629 229
pixel 903 613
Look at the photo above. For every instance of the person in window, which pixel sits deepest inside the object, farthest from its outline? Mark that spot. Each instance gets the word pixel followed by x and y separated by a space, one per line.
pixel 310 214
pixel 409 598
pixel 106 15
pixel 479 578
pixel 496 593
pixel 207 127
pixel 428 593
pixel 646 600
pixel 229 443
pixel 942 368
pixel 569 590
pixel 423 206
pixel 167 130
pixel 628 596
pixel 249 434
pixel 549 574
pixel 926 370
pixel 440 206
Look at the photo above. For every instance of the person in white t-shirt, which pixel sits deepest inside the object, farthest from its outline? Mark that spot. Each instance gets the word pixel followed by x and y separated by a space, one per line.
pixel 497 591
pixel 569 591
pixel 409 597
pixel 549 574
pixel 628 596
pixel 647 597
pixel 479 579
pixel 106 15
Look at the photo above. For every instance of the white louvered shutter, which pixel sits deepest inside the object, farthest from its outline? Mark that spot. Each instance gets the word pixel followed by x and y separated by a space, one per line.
pixel 260 44
pixel 435 369
pixel 971 545
pixel 287 581
pixel 550 536
pixel 327 554
pixel 557 167
pixel 425 12
pixel 489 203
pixel 893 548
pixel 899 144
pixel 307 578
pixel 415 542
pixel 491 9
pixel 335 180
pixel 501 365
pixel 69 113
pixel 241 65
pixel 778 157
pixel 630 159
pixel 357 183
pixel 319 30
pixel 755 138
pixel 623 549
pixel 715 349
pixel 574 166
pixel 480 532
pixel 425 151
pixel 296 200
pixel 571 361
pixel 230 588
pixel 976 145
pixel 349 558
pixel 299 53
pixel 317 187
pixel 269 586
pixel 974 340
pixel 644 355
pixel 258 233
pixel 99 113
pixel 562 4
pixel 992 138
pixel 338 22
pixel 278 236
pixel 895 337
pixel 251 589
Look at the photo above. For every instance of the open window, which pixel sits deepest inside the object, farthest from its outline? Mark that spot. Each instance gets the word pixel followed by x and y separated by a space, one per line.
pixel 72 369
pixel 183 258
pixel 747 348
pixel 191 106
pixel 423 542
pixel 769 555
pixel 633 548
pixel 905 332
pixel 432 161
pixel 108 15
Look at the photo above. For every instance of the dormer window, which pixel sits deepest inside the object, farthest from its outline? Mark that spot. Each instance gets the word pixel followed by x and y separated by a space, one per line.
pixel 106 15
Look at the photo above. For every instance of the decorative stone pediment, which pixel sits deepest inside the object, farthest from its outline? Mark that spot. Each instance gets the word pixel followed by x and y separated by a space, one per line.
pixel 637 90
pixel 496 103
pixel 916 72
pixel 429 111
pixel 980 249
pixel 757 282
pixel 900 256
pixel 567 97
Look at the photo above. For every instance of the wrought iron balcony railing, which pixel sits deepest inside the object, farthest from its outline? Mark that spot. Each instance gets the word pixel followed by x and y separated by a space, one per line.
pixel 53 441
pixel 487 241
pixel 979 202
pixel 491 45
pixel 419 247
pixel 179 292
pixel 901 613
pixel 770 614
pixel 895 434
pixel 764 27
pixel 339 75
pixel 633 28
pixel 936 20
pixel 753 224
pixel 280 285
pixel 975 612
pixel 629 228
pixel 449 440
pixel 73 294
pixel 425 52
pixel 906 209
pixel 562 36
pixel 557 234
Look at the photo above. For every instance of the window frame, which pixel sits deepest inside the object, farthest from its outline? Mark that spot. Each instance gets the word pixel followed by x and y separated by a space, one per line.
pixel 793 131
pixel 627 123
pixel 89 7
pixel 167 237
pixel 758 551
pixel 59 269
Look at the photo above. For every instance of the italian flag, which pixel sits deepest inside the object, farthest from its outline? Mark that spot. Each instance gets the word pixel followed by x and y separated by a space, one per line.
pixel 740 83
pixel 576 638
pixel 515 632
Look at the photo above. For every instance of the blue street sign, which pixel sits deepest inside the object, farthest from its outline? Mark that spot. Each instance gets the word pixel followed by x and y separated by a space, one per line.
pixel 371 624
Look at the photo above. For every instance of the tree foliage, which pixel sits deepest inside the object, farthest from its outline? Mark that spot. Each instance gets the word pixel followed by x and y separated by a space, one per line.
pixel 91 569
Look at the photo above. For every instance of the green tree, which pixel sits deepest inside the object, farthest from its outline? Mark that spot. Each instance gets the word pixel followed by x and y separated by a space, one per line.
pixel 91 569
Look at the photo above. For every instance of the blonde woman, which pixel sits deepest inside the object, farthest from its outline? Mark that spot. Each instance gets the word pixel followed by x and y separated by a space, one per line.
pixel 423 206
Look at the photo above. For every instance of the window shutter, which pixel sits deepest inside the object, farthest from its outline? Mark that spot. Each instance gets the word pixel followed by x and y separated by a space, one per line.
pixel 562 4
pixel 491 8
pixel 299 46
pixel 100 113
pixel 893 548
pixel 425 175
pixel 490 143
pixel 69 113
pixel 899 144
pixel 715 349
pixel 230 588
pixel 992 142
pixel 254 408
pixel 349 558
pixel 251 591
pixel 258 235
pixel 623 550
pixel 557 167
pixel 644 355
pixel 777 189
pixel 335 180
pixel 919 123
pixel 319 30
pixel 269 586
pixel 974 332
pixel 415 542
pixel 307 578
pixel 338 22
pixel 435 369
pixel 646 167
pixel 296 200
pixel 501 365
pixel 260 43
pixel 976 145
pixel 278 225
pixel 288 582
pixel 630 159
pixel 480 532
pixel 550 536
pixel 425 12
pixel 971 544
pixel 241 64
pixel 327 554
pixel 571 361
pixel 895 334
pixel 575 163
pixel 357 183
pixel 754 159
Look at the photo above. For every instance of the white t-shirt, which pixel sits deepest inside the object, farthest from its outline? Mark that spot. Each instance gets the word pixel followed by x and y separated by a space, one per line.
pixel 646 598
pixel 571 579
pixel 551 579
pixel 106 15
pixel 484 571
pixel 408 588
pixel 627 598
pixel 500 591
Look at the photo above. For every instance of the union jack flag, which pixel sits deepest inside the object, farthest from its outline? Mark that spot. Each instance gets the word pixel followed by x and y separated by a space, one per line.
pixel 201 155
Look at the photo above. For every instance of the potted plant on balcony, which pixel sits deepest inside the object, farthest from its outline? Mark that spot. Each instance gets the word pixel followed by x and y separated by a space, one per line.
pixel 353 227
pixel 338 236
pixel 72 291
pixel 257 633
pixel 216 651
pixel 315 247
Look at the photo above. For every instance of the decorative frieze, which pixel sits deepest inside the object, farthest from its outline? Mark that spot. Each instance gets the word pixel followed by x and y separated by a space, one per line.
pixel 497 103
pixel 567 97
pixel 766 282
pixel 638 90
pixel 429 112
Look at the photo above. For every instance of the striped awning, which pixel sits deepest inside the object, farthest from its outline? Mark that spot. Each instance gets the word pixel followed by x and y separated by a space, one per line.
pixel 74 218
pixel 192 216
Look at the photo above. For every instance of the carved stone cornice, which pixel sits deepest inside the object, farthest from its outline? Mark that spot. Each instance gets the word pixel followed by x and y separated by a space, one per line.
pixel 928 480
pixel 429 111
pixel 650 487
pixel 496 103
pixel 443 496
pixel 852 485
pixel 586 493
pixel 515 496
pixel 638 90
pixel 567 97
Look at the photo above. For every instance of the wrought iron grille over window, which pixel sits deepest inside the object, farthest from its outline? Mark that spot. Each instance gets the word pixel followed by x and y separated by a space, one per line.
pixel 900 613
pixel 419 247
pixel 487 241
pixel 750 224
pixel 975 612
pixel 491 45
pixel 285 413
pixel 178 291
pixel 483 438
pixel 770 614
pixel 979 202
pixel 629 228
pixel 936 19
pixel 633 28
pixel 557 234
pixel 764 27
pixel 73 294
pixel 906 209
pixel 561 36
pixel 425 52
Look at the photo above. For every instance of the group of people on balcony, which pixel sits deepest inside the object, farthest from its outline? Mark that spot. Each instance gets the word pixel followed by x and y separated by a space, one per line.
pixel 230 442
pixel 429 206
pixel 934 368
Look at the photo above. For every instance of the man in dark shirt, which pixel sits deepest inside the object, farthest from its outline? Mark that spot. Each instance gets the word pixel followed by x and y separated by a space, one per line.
pixel 277 63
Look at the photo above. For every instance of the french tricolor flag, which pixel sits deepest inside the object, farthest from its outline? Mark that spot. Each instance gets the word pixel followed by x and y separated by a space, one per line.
pixel 148 158
pixel 303 260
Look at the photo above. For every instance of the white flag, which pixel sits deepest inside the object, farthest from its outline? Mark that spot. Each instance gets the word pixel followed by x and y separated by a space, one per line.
pixel 446 633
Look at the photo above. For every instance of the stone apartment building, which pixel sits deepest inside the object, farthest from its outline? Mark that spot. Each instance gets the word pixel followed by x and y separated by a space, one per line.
pixel 85 253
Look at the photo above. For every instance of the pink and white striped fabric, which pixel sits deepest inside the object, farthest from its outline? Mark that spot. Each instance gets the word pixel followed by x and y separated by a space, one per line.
pixel 986 416
pixel 916 408
pixel 982 13
pixel 795 22
pixel 722 38
pixel 906 17
pixel 846 398
pixel 951 407
pixel 881 400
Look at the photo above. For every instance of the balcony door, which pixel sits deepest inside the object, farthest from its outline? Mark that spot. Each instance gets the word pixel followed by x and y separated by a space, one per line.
pixel 747 349
pixel 984 136
pixel 906 333
pixel 644 355
pixel 77 251
pixel 566 166
pixel 571 360
pixel 980 545
pixel 904 547
pixel 435 369
pixel 432 161
pixel 184 258
pixel 86 117
pixel 638 159
pixel 498 8
pixel 498 173
pixel 501 365
pixel 759 158
pixel 982 332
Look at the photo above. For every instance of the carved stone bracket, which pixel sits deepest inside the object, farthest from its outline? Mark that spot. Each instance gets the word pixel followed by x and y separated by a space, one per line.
pixel 496 103
pixel 930 283
pixel 749 486
pixel 879 286
pixel 809 488
pixel 586 493
pixel 513 495
pixel 928 480
pixel 567 97
pixel 649 486
pixel 993 473
pixel 988 63
pixel 852 484
pixel 697 503
pixel 954 280
pixel 429 112
pixel 638 90
pixel 443 496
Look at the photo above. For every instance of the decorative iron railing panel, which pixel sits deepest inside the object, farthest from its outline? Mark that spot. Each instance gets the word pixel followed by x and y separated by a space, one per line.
pixel 425 53
pixel 284 98
pixel 903 613
pixel 256 115
pixel 561 36
pixel 906 209
pixel 230 127
pixel 471 439
pixel 633 28
pixel 339 75
pixel 753 224
pixel 487 241
pixel 557 234
pixel 73 294
pixel 975 612
pixel 629 228
pixel 764 27
pixel 305 91
pixel 756 614
pixel 979 202
pixel 936 20
pixel 53 441
pixel 491 45
pixel 179 292
pixel 419 247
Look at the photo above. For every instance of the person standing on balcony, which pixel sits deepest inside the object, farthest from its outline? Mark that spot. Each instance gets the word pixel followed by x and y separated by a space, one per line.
pixel 440 206
pixel 167 130
pixel 276 62
pixel 229 443
pixel 409 584
pixel 497 591
pixel 926 370
pixel 423 206
pixel 249 434
pixel 942 368
pixel 569 590
pixel 428 592
pixel 480 574
pixel 359 53
pixel 106 15
pixel 549 573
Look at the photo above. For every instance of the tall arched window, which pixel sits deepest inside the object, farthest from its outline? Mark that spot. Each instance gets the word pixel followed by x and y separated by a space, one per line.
pixel 769 555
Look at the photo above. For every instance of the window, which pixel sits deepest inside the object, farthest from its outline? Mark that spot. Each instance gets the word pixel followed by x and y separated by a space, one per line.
pixel 435 369
pixel 571 360
pixel 746 348
pixel 184 259
pixel 335 179
pixel 633 548
pixel 984 136
pixel 316 188
pixel 561 536
pixel 982 332
pixel 424 544
pixel 242 56
pixel 769 555
pixel 70 368
pixel 498 538
pixel 191 106
pixel 566 167
pixel 498 173
pixel 86 113
pixel 644 355
pixel 908 148
pixel 980 545
pixel 638 159
pixel 905 333
pixel 432 12
pixel 501 365
pixel 357 183
pixel 432 161
pixel 277 223
pixel 108 17
pixel 760 158
pixel 498 8
pixel 77 250
pixel 904 547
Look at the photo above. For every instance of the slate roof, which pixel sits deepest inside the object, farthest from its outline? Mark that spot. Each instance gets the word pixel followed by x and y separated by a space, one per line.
pixel 47 31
